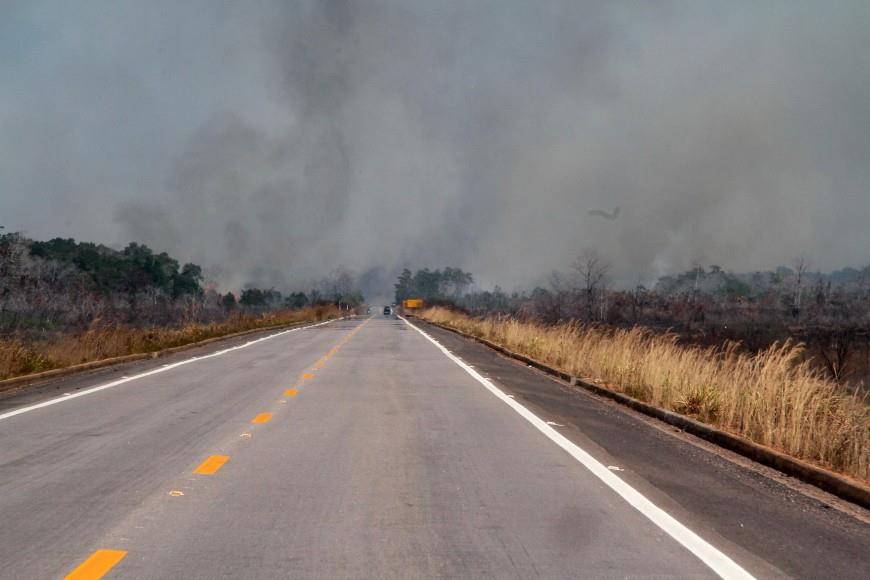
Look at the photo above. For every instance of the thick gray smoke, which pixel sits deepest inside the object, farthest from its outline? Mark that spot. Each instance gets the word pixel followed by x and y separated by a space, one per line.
pixel 273 141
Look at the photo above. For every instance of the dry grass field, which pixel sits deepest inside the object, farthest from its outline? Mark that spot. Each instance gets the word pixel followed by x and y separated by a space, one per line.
pixel 774 397
pixel 21 355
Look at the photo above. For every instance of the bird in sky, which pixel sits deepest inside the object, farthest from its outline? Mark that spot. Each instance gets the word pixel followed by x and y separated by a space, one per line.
pixel 608 216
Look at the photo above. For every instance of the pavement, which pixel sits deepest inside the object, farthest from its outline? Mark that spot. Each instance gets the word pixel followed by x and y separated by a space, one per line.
pixel 364 448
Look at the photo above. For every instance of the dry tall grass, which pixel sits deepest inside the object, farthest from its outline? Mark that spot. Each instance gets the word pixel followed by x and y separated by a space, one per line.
pixel 20 355
pixel 773 397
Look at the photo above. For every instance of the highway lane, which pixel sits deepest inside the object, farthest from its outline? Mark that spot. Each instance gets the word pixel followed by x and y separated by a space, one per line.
pixel 355 449
pixel 775 524
pixel 70 471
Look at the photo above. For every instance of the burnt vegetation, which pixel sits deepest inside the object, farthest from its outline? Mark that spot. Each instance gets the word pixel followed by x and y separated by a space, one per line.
pixel 707 306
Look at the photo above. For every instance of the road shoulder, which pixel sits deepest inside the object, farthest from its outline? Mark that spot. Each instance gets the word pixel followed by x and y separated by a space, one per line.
pixel 49 388
pixel 751 507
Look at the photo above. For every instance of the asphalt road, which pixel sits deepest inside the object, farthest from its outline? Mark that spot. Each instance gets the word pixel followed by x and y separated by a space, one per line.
pixel 361 449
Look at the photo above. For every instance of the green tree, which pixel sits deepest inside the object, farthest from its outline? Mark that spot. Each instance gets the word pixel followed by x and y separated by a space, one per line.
pixel 405 286
pixel 296 300
pixel 257 297
pixel 187 281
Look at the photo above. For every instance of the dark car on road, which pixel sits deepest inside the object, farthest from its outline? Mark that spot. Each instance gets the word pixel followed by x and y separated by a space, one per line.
pixel 387 310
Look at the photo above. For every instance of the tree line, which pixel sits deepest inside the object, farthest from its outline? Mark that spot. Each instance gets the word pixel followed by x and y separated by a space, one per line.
pixel 63 284
pixel 449 284
pixel 707 305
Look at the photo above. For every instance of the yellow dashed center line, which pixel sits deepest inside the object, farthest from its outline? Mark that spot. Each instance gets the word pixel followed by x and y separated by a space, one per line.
pixel 211 465
pixel 97 565
pixel 102 561
pixel 321 362
pixel 262 418
pixel 334 350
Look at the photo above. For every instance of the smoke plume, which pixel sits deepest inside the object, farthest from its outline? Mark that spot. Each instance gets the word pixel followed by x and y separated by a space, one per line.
pixel 274 141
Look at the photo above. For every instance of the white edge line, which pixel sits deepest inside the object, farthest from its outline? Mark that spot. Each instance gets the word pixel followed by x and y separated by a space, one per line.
pixel 721 564
pixel 161 369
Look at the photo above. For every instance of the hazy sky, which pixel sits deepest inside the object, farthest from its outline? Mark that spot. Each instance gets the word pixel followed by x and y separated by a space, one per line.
pixel 272 141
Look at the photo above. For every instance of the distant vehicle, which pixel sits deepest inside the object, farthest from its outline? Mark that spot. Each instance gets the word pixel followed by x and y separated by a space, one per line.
pixel 387 310
pixel 368 310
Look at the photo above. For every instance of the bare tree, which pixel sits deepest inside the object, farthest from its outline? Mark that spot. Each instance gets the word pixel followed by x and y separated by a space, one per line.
pixel 557 298
pixel 592 271
pixel 834 347
pixel 549 305
pixel 800 267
